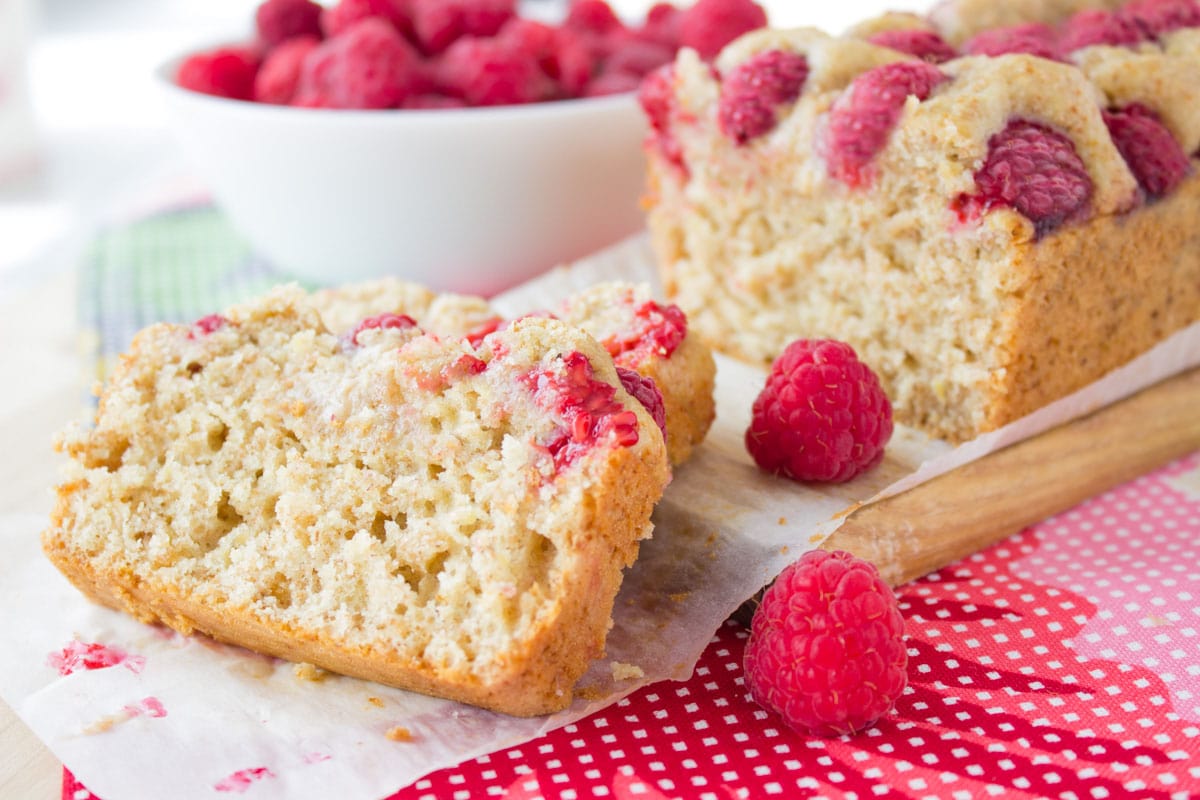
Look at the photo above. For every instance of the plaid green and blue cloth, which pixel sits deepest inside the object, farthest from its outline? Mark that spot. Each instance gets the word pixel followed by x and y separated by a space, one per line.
pixel 176 265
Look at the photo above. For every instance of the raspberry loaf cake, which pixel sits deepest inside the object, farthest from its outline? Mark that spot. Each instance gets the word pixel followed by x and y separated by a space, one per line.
pixel 433 514
pixel 993 218
pixel 639 333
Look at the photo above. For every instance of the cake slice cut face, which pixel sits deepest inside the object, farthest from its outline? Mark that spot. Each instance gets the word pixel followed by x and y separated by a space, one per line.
pixel 440 515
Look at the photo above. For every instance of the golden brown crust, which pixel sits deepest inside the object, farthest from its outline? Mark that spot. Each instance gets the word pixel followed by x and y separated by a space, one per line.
pixel 686 381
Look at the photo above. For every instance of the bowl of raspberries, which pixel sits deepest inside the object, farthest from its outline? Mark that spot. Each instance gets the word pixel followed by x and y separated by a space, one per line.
pixel 464 144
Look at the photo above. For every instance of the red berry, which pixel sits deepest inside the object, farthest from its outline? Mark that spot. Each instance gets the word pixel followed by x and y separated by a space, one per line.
pixel 1095 26
pixel 612 82
pixel 369 65
pixel 279 75
pixel 662 25
pixel 560 53
pixel 923 44
pixel 224 72
pixel 1156 17
pixel 207 324
pixel 1033 169
pixel 489 72
pixel 646 392
pixel 1153 155
pixel 382 322
pixel 1033 38
pixel 586 407
pixel 439 22
pixel 592 17
pixel 708 25
pixel 340 17
pixel 752 92
pixel 822 415
pixel 826 649
pixel 432 100
pixel 862 119
pixel 280 20
pixel 628 53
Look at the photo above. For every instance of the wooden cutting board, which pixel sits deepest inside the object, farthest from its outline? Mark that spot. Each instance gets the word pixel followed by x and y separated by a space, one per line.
pixel 976 505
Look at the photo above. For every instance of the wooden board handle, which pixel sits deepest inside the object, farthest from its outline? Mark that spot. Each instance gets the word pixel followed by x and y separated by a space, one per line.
pixel 964 511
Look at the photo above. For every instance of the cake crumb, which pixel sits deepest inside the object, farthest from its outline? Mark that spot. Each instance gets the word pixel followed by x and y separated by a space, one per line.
pixel 399 733
pixel 375 701
pixel 783 520
pixel 309 672
pixel 679 597
pixel 589 693
pixel 624 672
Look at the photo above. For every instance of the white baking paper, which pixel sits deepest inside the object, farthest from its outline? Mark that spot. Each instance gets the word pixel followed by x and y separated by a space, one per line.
pixel 189 718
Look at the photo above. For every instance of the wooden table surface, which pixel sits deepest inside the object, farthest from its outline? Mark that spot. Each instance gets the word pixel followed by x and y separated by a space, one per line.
pixel 42 392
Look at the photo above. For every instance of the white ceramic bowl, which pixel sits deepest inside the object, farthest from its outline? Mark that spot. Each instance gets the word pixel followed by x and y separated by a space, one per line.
pixel 471 200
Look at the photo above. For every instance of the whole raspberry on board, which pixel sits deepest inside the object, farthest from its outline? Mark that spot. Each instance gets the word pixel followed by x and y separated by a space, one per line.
pixel 826 649
pixel 822 415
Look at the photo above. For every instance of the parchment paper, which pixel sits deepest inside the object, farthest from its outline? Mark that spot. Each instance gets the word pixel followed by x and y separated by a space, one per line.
pixel 184 718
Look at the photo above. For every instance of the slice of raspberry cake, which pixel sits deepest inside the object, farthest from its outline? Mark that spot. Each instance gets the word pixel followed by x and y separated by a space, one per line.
pixel 435 514
pixel 991 217
pixel 642 335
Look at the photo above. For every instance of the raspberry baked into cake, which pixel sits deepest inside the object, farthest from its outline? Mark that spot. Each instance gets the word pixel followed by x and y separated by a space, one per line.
pixel 445 515
pixel 641 334
pixel 994 204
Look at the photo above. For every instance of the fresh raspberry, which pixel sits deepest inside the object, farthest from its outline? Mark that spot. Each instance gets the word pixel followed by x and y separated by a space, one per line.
pixel 280 20
pixel 708 25
pixel 560 53
pixel 488 72
pixel 1033 38
pixel 662 25
pixel 1096 26
pixel 751 93
pixel 645 391
pixel 398 322
pixel 439 22
pixel 1033 169
pixel 1156 17
pixel 347 13
pixel 822 415
pixel 594 17
pixel 862 119
pixel 369 65
pixel 657 98
pixel 826 649
pixel 279 74
pixel 1153 155
pixel 224 72
pixel 612 82
pixel 923 44
pixel 631 54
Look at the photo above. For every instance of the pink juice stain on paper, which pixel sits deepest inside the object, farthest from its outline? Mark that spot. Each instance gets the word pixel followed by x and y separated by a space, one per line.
pixel 243 779
pixel 80 656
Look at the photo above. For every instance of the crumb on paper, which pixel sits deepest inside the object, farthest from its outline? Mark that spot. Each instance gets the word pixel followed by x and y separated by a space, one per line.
pixel 106 723
pixel 309 672
pixel 399 733
pixel 375 701
pixel 783 551
pixel 783 520
pixel 590 693
pixel 679 597
pixel 624 672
